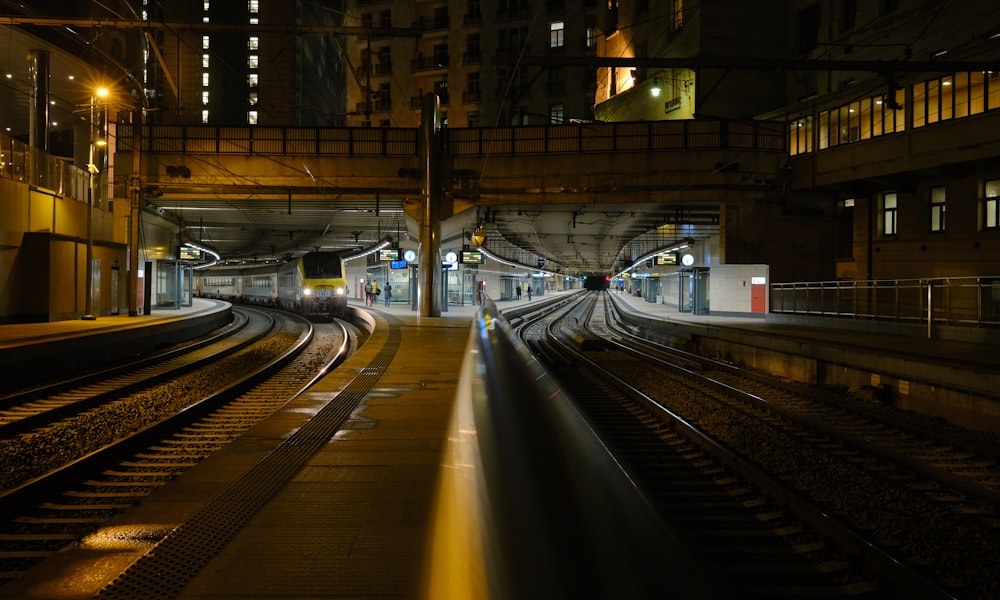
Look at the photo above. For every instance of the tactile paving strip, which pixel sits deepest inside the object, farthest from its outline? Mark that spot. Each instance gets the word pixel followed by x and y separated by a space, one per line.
pixel 163 572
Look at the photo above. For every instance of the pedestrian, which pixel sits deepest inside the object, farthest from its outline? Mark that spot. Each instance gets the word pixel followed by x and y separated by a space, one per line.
pixel 517 291
pixel 368 293
pixel 529 292
pixel 388 293
pixel 375 292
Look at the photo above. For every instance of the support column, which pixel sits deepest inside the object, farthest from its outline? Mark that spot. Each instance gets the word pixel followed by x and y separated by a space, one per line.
pixel 133 202
pixel 429 291
pixel 38 111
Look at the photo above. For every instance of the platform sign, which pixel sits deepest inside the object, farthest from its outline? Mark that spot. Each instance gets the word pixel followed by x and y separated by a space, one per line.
pixel 398 264
pixel 388 254
pixel 472 257
pixel 667 258
pixel 189 253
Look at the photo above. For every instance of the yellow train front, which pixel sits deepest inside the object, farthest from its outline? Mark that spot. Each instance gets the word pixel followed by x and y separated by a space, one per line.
pixel 314 285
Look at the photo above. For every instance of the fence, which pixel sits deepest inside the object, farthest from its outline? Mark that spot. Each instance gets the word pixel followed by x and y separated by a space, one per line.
pixel 971 301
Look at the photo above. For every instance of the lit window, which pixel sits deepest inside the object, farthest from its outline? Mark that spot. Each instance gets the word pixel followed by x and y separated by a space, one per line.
pixel 204 79
pixel 204 42
pixel 252 117
pixel 254 20
pixel 204 98
pixel 252 79
pixel 205 5
pixel 254 6
pixel 991 205
pixel 204 61
pixel 556 31
pixel 556 113
pixel 204 116
pixel 937 209
pixel 254 43
pixel 889 213
pixel 253 98
pixel 204 19
pixel 253 61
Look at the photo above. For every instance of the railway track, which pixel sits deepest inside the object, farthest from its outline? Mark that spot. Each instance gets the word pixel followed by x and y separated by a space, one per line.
pixel 57 508
pixel 808 483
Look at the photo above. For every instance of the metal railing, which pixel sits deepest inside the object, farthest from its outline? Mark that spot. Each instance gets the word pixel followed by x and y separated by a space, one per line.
pixel 644 136
pixel 21 162
pixel 969 301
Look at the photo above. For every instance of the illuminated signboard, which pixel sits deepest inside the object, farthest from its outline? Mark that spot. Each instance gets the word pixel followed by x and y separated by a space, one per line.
pixel 667 258
pixel 388 254
pixel 472 257
pixel 398 264
pixel 188 253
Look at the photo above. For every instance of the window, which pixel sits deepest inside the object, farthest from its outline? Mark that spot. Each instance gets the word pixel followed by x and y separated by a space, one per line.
pixel 845 229
pixel 937 209
pixel 252 79
pixel 557 30
pixel 252 117
pixel 253 99
pixel 204 79
pixel 253 43
pixel 385 18
pixel 556 114
pixel 991 204
pixel 889 214
pixel 204 98
pixel 204 61
pixel 848 14
pixel 253 61
pixel 204 116
pixel 204 42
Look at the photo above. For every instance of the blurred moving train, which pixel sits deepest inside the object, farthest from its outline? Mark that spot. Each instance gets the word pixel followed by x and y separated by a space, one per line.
pixel 313 284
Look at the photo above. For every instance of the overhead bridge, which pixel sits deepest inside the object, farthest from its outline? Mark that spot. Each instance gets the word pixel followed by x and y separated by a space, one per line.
pixel 656 161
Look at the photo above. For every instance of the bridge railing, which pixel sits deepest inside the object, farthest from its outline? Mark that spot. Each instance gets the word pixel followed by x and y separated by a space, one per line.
pixel 642 136
pixel 950 301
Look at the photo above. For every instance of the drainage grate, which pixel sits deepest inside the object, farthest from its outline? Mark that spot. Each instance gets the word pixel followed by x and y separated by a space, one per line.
pixel 164 571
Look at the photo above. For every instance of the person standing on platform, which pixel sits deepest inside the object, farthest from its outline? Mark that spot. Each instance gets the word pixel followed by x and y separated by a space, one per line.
pixel 375 292
pixel 388 293
pixel 368 293
pixel 529 293
pixel 517 291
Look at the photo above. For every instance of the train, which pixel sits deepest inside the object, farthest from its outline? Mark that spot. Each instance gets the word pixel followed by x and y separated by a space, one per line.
pixel 313 284
pixel 596 281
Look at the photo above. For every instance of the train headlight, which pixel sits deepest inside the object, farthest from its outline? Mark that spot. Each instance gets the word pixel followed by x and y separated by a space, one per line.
pixel 307 292
pixel 340 291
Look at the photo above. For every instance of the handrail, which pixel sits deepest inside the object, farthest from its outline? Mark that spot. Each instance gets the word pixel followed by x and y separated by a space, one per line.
pixel 530 504
pixel 969 301
pixel 21 162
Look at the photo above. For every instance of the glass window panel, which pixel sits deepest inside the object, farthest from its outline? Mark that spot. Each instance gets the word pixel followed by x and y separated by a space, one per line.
pixel 937 209
pixel 933 101
pixel 865 114
pixel 919 104
pixel 947 97
pixel 878 109
pixel 824 130
pixel 960 89
pixel 993 87
pixel 846 134
pixel 889 213
pixel 977 92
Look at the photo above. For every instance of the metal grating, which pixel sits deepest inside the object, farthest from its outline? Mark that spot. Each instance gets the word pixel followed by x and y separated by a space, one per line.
pixel 164 571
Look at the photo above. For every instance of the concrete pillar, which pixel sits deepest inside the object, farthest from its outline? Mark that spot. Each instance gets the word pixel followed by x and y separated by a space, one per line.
pixel 432 193
pixel 38 109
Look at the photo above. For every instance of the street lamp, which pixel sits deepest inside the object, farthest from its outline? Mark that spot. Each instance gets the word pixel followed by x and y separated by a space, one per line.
pixel 97 140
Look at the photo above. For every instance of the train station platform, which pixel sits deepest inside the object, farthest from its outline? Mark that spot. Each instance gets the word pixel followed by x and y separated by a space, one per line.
pixel 322 506
pixel 30 351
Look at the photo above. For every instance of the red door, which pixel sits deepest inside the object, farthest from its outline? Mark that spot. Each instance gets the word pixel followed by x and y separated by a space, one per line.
pixel 758 295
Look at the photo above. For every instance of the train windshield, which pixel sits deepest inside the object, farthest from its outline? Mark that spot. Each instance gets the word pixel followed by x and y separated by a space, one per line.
pixel 322 265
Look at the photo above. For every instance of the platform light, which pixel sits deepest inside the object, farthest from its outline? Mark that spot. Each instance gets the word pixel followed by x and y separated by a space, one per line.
pixel 656 89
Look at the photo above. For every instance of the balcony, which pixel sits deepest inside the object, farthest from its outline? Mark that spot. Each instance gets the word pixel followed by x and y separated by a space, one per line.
pixel 429 63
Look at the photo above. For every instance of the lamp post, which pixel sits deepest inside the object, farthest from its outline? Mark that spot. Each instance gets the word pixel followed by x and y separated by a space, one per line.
pixel 97 140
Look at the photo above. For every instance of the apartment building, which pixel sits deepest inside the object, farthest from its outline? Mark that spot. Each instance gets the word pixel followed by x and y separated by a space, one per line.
pixel 468 56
